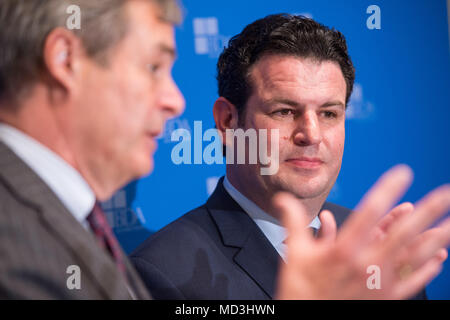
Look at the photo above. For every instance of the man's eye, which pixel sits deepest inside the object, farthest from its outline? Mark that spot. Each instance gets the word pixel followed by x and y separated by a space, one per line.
pixel 330 114
pixel 153 68
pixel 285 112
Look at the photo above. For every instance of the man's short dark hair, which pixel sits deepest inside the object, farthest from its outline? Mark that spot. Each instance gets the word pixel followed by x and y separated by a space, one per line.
pixel 280 34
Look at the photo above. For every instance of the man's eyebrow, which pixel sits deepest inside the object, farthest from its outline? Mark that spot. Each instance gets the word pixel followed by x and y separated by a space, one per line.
pixel 285 101
pixel 333 104
pixel 296 104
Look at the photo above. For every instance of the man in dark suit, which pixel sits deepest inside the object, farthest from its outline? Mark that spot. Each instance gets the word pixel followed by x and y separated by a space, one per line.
pixel 291 76
pixel 213 252
pixel 79 111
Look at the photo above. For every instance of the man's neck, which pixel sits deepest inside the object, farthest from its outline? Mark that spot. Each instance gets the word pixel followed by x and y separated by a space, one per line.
pixel 35 117
pixel 44 117
pixel 263 198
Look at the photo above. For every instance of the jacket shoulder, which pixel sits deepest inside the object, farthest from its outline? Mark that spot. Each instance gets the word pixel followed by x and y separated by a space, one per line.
pixel 192 227
pixel 340 213
pixel 27 251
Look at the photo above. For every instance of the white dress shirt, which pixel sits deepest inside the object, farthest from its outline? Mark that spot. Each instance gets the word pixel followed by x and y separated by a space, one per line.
pixel 66 182
pixel 270 227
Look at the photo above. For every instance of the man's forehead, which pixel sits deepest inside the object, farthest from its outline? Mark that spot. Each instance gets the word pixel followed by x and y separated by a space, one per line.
pixel 278 72
pixel 144 20
pixel 291 68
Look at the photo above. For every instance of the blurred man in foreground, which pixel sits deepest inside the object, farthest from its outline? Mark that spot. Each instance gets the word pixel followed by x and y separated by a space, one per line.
pixel 79 114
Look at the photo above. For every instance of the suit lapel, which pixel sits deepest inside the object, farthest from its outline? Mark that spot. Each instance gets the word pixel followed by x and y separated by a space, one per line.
pixel 259 260
pixel 255 256
pixel 135 281
pixel 33 192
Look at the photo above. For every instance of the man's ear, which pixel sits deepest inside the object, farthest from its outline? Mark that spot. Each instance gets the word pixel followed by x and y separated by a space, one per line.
pixel 62 53
pixel 226 116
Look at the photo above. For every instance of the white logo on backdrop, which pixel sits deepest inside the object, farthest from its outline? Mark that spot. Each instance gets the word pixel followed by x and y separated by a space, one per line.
pixel 358 108
pixel 207 39
pixel 120 216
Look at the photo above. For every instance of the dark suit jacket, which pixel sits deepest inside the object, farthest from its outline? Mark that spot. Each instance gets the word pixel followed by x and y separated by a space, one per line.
pixel 39 239
pixel 213 252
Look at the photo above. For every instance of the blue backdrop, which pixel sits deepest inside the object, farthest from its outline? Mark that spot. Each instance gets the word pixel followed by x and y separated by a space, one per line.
pixel 399 111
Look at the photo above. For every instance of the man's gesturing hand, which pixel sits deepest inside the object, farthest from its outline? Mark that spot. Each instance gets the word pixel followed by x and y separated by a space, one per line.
pixel 324 269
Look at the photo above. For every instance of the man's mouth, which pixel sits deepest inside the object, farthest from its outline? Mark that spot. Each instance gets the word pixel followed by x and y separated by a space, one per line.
pixel 305 162
pixel 151 138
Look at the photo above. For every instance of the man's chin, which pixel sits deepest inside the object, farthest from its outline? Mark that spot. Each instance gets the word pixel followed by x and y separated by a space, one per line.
pixel 304 188
pixel 144 167
pixel 149 169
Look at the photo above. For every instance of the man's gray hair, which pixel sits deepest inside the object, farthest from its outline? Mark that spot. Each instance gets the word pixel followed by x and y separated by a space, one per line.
pixel 25 25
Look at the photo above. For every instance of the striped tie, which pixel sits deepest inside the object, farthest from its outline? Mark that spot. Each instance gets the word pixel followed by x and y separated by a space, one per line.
pixel 105 236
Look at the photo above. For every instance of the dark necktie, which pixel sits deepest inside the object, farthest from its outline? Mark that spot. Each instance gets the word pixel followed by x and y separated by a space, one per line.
pixel 105 237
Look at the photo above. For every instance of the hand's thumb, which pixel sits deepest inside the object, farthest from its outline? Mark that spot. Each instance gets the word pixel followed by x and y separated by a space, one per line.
pixel 293 216
pixel 328 228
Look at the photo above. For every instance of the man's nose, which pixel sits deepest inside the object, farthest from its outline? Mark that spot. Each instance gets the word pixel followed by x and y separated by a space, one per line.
pixel 172 100
pixel 308 130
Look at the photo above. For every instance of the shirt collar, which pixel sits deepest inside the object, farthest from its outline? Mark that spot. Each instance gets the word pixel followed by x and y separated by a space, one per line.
pixel 270 226
pixel 66 182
